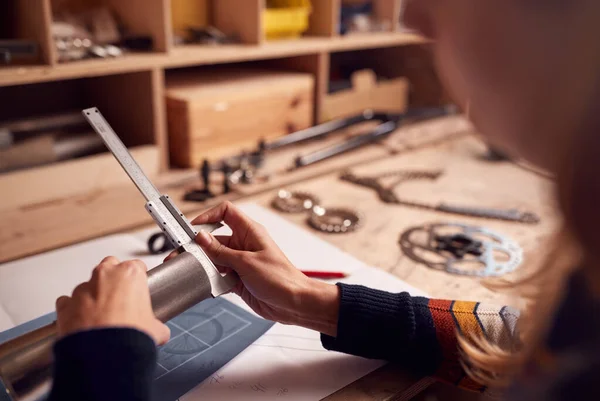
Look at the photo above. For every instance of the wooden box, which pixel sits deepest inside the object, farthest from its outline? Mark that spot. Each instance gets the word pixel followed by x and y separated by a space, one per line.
pixel 213 115
pixel 367 93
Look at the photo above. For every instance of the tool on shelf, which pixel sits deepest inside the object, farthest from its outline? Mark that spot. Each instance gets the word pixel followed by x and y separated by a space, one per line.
pixel 175 286
pixel 13 49
pixel 387 195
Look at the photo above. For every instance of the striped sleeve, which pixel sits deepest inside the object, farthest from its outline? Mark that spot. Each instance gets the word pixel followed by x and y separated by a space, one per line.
pixel 469 319
pixel 419 333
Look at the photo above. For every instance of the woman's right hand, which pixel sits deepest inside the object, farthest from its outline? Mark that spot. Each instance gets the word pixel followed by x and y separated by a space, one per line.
pixel 269 284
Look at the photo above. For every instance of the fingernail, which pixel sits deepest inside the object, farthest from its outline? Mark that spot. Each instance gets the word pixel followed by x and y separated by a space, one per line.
pixel 204 238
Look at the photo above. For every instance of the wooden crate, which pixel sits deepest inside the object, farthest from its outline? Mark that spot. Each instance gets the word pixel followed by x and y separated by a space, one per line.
pixel 388 96
pixel 212 115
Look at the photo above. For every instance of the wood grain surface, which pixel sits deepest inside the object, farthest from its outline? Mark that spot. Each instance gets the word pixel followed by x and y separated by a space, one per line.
pixel 468 179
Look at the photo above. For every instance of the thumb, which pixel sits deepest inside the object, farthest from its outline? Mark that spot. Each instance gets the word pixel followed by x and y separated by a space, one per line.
pixel 161 333
pixel 217 252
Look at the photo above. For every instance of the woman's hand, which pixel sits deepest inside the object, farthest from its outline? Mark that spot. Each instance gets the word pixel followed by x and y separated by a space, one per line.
pixel 269 283
pixel 117 295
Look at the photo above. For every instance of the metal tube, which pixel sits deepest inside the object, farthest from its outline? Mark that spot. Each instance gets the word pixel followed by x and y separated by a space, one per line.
pixel 26 361
pixel 353 143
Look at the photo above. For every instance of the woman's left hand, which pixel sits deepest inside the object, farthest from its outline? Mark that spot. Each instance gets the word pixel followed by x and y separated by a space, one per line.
pixel 117 295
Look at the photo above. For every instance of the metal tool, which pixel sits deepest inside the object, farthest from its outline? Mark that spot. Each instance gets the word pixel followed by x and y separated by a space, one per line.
pixel 461 249
pixel 243 168
pixel 175 286
pixel 389 123
pixel 159 243
pixel 13 49
pixel 387 195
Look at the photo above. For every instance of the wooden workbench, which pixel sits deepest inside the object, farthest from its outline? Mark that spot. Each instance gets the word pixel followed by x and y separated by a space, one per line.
pixel 448 144
pixel 468 179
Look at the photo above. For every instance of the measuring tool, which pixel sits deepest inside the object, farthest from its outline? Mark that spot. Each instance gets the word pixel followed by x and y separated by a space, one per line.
pixel 175 286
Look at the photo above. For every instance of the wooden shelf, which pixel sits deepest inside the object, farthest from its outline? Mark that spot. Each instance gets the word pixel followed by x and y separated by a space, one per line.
pixel 79 69
pixel 130 90
pixel 200 55
pixel 192 55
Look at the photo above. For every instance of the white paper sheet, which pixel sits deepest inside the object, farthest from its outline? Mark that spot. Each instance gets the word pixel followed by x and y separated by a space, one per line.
pixel 290 362
pixel 286 363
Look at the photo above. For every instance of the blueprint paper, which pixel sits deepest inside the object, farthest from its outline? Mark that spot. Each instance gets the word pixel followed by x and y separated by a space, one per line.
pixel 203 340
pixel 286 363
pixel 289 362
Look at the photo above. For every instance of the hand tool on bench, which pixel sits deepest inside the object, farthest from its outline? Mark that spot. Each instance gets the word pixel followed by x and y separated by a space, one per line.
pixel 242 168
pixel 175 286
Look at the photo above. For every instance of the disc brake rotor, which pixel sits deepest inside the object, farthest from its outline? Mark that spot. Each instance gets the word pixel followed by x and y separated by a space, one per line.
pixel 481 252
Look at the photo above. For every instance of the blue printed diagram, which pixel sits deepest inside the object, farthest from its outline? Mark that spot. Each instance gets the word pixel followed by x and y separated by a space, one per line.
pixel 188 344
pixel 203 339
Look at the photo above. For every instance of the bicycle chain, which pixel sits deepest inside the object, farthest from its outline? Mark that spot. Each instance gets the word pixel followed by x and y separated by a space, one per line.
pixel 387 195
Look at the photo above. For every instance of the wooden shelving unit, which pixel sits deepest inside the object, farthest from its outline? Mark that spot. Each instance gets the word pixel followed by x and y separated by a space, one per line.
pixel 130 89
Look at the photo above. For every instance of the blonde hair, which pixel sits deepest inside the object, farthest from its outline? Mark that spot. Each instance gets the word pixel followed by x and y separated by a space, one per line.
pixel 540 290
pixel 575 248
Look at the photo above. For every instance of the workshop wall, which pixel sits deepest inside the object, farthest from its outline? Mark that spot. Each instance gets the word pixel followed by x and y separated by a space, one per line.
pixel 123 57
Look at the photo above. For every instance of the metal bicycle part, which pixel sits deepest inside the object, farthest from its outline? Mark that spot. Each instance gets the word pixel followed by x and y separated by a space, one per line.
pixel 498 254
pixel 387 195
pixel 26 361
pixel 294 202
pixel 334 220
pixel 386 192
pixel 158 242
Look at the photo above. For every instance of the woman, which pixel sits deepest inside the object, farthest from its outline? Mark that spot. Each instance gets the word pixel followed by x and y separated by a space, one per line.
pixel 528 71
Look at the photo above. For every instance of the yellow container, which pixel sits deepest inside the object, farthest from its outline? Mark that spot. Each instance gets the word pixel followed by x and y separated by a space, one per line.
pixel 189 13
pixel 286 18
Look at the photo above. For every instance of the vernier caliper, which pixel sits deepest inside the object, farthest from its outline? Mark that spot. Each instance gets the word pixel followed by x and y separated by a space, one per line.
pixel 164 212
pixel 175 286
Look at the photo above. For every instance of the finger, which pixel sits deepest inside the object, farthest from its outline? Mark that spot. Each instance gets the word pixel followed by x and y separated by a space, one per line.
pixel 226 212
pixel 135 265
pixel 223 269
pixel 132 269
pixel 225 240
pixel 107 263
pixel 110 260
pixel 61 303
pixel 161 333
pixel 62 317
pixel 171 255
pixel 81 290
pixel 219 253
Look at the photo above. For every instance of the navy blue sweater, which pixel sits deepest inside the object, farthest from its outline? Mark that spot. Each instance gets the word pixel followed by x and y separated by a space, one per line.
pixel 419 333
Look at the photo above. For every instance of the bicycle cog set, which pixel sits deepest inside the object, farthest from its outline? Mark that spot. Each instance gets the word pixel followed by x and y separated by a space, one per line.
pixel 462 249
pixel 328 220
